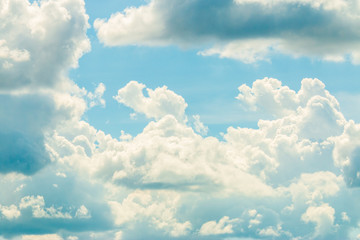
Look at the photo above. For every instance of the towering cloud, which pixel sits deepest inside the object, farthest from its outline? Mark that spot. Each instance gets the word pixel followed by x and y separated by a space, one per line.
pixel 39 43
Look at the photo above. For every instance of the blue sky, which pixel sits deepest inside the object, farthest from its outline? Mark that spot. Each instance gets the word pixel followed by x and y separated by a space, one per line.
pixel 196 119
pixel 198 79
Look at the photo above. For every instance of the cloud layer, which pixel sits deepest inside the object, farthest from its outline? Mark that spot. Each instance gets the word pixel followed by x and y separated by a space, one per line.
pixel 246 30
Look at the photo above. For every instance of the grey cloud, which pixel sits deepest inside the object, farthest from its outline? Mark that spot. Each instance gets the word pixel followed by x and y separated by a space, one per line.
pixel 315 29
pixel 22 123
pixel 39 43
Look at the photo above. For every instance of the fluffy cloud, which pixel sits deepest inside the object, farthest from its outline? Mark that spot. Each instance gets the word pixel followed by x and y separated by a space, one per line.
pixel 39 43
pixel 160 211
pixel 346 153
pixel 323 217
pixel 10 212
pixel 222 227
pixel 294 161
pixel 246 30
pixel 172 182
pixel 37 204
pixel 159 102
pixel 292 177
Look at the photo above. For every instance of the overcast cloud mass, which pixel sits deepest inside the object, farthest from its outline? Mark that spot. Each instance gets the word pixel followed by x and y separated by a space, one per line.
pixel 294 176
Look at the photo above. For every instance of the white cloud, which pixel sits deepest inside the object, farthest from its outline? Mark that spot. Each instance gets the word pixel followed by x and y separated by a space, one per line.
pixel 72 238
pixel 199 126
pixel 244 50
pixel 246 30
pixel 159 103
pixel 40 42
pixel 222 227
pixel 15 55
pixel 37 204
pixel 346 153
pixel 269 232
pixel 133 26
pixel 169 166
pixel 42 237
pixel 159 209
pixel 167 179
pixel 10 212
pixel 119 235
pixel 82 212
pixel 96 97
pixel 323 217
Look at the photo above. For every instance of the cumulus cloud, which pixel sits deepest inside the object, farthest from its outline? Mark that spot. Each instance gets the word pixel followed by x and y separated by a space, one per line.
pixel 323 217
pixel 10 212
pixel 222 227
pixel 295 161
pixel 39 43
pixel 82 212
pixel 149 180
pixel 249 30
pixel 159 211
pixel 37 204
pixel 168 178
pixel 292 177
pixel 159 102
pixel 346 153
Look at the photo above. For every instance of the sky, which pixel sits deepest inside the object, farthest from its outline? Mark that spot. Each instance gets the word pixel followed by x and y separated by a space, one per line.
pixel 183 119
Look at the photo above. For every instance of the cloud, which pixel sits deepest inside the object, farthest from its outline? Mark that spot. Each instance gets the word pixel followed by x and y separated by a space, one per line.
pixel 10 212
pixel 199 126
pixel 323 217
pixel 222 227
pixel 346 153
pixel 172 182
pixel 40 42
pixel 294 161
pixel 37 204
pixel 249 30
pixel 96 97
pixel 159 211
pixel 82 212
pixel 42 237
pixel 293 177
pixel 159 102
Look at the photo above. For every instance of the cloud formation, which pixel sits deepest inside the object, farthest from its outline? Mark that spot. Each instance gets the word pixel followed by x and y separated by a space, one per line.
pixel 246 30
pixel 172 182
pixel 39 43
pixel 159 102
pixel 295 176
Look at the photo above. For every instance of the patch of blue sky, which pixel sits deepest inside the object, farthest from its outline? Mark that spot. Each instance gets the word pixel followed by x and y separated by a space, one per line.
pixel 208 84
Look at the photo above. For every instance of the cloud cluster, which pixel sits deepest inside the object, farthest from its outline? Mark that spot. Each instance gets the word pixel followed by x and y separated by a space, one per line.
pixel 295 176
pixel 246 30
pixel 289 178
pixel 39 43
